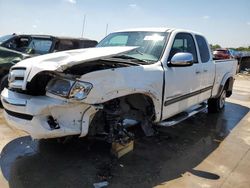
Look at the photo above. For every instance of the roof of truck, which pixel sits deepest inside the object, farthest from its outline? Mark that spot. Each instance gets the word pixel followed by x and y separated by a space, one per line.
pixel 158 29
pixel 154 29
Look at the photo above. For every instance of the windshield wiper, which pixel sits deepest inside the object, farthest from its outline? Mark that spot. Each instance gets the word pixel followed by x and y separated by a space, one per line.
pixel 139 52
pixel 123 56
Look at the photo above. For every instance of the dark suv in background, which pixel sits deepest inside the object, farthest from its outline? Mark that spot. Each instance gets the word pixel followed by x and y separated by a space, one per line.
pixel 43 44
pixel 14 48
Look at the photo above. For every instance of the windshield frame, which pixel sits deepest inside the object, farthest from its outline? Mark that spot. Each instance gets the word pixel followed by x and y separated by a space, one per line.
pixel 165 34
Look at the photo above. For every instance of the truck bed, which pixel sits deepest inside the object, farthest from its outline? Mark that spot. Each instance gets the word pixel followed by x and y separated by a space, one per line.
pixel 223 68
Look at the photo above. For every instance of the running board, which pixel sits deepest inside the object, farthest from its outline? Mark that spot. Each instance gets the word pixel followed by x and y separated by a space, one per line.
pixel 182 116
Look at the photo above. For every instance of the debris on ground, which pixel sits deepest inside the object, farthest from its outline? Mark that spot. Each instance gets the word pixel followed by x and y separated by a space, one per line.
pixel 101 184
pixel 120 150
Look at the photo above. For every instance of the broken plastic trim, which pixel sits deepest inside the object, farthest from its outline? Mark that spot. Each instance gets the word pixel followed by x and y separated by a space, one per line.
pixel 53 124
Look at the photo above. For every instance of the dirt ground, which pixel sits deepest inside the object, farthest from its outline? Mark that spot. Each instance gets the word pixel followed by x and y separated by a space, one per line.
pixel 155 160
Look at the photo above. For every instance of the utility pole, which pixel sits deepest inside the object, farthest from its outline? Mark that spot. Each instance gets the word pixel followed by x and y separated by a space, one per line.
pixel 83 24
pixel 107 26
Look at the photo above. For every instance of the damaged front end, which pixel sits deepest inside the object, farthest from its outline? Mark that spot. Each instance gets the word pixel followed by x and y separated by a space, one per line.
pixel 50 106
pixel 56 107
pixel 93 98
pixel 46 117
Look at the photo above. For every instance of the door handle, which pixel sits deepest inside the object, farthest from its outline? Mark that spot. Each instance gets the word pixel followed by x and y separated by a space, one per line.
pixel 205 70
pixel 197 72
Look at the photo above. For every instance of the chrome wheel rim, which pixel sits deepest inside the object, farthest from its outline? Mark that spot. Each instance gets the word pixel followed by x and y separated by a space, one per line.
pixel 222 99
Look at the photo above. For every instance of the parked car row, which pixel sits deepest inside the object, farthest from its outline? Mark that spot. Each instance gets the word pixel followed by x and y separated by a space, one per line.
pixel 14 48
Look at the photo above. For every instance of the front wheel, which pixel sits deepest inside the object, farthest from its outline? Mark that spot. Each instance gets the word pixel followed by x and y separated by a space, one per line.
pixel 217 104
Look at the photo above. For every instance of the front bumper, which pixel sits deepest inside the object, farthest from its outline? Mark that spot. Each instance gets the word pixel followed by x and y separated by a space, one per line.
pixel 32 113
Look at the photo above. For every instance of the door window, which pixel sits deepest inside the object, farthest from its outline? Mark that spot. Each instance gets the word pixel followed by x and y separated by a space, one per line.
pixel 18 43
pixel 183 42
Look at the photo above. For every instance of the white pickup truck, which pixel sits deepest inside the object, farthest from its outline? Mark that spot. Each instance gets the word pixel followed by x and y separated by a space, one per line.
pixel 148 77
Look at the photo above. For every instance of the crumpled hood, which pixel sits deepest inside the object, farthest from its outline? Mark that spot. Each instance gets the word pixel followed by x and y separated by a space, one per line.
pixel 62 60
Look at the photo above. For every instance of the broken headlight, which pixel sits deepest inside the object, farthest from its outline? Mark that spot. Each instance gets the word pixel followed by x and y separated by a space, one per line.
pixel 77 90
pixel 80 90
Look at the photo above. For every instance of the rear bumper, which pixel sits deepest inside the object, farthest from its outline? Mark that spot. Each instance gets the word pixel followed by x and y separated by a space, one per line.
pixel 46 117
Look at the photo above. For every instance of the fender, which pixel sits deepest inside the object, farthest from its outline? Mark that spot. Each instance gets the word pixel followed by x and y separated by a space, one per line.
pixel 114 95
pixel 227 77
pixel 114 83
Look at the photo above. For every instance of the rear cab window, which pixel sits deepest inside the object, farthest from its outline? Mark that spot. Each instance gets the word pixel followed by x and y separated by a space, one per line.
pixel 203 48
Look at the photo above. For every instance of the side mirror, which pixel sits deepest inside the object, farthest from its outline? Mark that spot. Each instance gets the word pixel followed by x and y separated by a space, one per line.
pixel 181 59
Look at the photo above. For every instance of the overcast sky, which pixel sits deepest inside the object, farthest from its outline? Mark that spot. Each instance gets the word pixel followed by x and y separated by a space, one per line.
pixel 224 22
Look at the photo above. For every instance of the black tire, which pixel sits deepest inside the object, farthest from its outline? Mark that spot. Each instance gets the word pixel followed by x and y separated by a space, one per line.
pixel 217 104
pixel 238 69
pixel 4 82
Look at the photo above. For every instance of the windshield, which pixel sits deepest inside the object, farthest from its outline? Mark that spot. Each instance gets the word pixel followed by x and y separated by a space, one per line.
pixel 29 45
pixel 5 38
pixel 40 45
pixel 150 44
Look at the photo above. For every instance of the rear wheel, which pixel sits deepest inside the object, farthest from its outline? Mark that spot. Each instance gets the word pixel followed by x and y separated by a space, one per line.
pixel 217 104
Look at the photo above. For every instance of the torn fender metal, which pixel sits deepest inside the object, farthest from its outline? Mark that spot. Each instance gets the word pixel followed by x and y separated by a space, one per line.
pixel 113 83
pixel 87 117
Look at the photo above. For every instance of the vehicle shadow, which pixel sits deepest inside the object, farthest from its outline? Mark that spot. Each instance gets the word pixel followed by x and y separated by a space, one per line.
pixel 80 163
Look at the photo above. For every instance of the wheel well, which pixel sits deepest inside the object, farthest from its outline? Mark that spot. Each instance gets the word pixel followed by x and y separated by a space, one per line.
pixel 138 107
pixel 136 102
pixel 229 86
pixel 226 84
